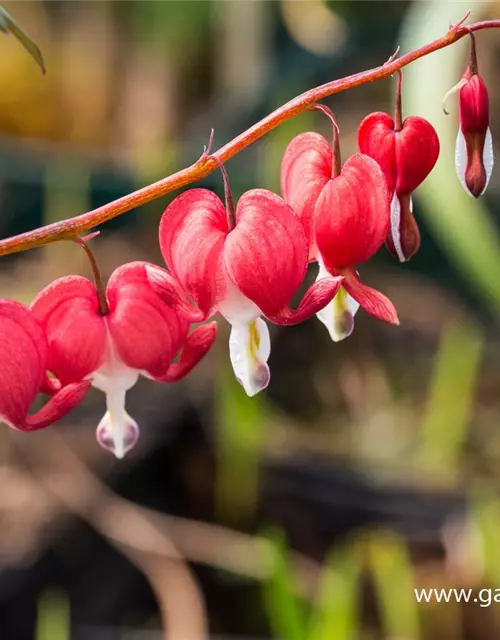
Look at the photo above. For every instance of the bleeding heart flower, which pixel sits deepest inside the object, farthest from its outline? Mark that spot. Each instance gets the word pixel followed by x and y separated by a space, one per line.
pixel 244 264
pixel 406 151
pixel 137 333
pixel 23 372
pixel 346 210
pixel 474 147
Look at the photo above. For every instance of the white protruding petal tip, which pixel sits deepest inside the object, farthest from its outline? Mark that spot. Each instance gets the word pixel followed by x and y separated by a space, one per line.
pixel 119 437
pixel 396 227
pixel 461 161
pixel 338 315
pixel 249 349
pixel 488 158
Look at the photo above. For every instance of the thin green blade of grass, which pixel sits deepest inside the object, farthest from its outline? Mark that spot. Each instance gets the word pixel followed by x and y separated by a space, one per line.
pixel 451 400
pixel 285 610
pixel 485 521
pixel 335 614
pixel 239 431
pixel 392 573
pixel 53 616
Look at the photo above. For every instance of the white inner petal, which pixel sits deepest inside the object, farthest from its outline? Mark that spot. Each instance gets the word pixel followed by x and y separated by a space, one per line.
pixel 461 160
pixel 117 431
pixel 249 349
pixel 236 307
pixel 396 227
pixel 338 315
pixel 488 159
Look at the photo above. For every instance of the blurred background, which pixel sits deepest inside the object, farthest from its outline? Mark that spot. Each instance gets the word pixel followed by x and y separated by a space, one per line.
pixel 368 468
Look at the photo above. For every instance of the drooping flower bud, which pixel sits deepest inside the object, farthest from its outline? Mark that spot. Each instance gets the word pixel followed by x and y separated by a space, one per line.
pixel 406 151
pixel 474 147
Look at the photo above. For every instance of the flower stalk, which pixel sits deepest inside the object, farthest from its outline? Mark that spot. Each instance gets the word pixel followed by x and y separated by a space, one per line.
pixel 83 223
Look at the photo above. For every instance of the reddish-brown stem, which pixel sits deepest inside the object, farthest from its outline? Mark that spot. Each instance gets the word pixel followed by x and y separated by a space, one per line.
pixel 336 158
pixel 473 55
pixel 99 285
pixel 398 109
pixel 206 164
pixel 228 196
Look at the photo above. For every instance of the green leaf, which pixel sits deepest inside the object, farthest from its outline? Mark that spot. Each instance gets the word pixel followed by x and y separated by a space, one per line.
pixel 240 428
pixel 335 615
pixel 451 399
pixel 284 608
pixel 393 578
pixel 53 619
pixel 9 25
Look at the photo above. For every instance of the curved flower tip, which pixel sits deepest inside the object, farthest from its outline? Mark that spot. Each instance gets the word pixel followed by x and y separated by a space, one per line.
pixel 249 349
pixel 117 434
pixel 378 305
pixel 168 289
pixel 57 407
pixel 318 296
pixel 197 345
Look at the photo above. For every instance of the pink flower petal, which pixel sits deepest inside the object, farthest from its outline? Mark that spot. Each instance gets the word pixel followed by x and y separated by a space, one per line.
pixel 376 138
pixel 417 151
pixel 266 253
pixel 145 331
pixel 316 298
pixel 192 232
pixel 305 169
pixel 57 407
pixel 406 157
pixel 352 215
pixel 68 310
pixel 170 292
pixel 24 356
pixel 370 299
pixel 197 345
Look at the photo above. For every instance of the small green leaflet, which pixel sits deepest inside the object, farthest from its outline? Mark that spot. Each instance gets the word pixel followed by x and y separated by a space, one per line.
pixel 8 24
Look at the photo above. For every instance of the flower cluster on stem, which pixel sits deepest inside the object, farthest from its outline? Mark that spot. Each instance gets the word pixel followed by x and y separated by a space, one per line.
pixel 244 262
